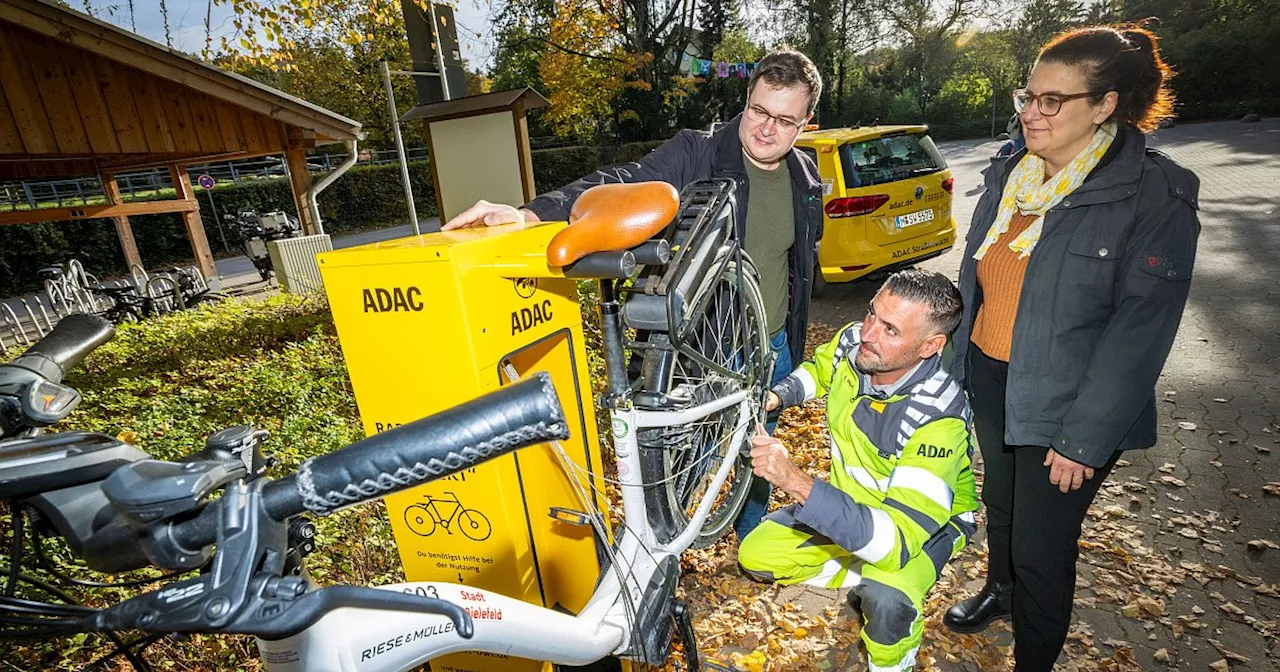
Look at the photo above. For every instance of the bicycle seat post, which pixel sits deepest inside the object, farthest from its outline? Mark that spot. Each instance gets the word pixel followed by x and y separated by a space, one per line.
pixel 612 340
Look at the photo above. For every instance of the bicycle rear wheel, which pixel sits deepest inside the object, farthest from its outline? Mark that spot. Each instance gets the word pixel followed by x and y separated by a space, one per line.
pixel 724 350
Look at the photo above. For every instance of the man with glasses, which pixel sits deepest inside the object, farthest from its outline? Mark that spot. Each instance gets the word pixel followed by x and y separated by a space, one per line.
pixel 779 202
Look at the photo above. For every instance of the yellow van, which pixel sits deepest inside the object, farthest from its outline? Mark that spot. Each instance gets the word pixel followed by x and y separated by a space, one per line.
pixel 886 196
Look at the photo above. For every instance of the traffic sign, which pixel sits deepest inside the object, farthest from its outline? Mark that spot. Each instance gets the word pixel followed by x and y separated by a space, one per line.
pixel 206 181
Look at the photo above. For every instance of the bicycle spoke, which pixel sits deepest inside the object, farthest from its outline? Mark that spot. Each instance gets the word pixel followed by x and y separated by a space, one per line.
pixel 723 342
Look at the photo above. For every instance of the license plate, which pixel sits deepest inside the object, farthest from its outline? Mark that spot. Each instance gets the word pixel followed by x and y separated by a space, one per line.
pixel 909 219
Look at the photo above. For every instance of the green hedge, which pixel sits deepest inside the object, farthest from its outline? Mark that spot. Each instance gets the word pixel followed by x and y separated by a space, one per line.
pixel 366 197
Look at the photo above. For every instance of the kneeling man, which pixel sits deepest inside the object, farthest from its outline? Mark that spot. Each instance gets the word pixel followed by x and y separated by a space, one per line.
pixel 901 498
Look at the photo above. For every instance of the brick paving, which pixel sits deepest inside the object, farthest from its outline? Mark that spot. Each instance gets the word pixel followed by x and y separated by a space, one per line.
pixel 1223 376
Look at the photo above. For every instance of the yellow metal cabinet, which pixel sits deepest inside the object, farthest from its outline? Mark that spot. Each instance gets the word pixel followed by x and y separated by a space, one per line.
pixel 425 323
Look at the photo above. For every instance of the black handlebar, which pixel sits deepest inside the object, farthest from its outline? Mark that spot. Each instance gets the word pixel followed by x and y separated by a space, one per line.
pixel 247 589
pixel 459 438
pixel 71 339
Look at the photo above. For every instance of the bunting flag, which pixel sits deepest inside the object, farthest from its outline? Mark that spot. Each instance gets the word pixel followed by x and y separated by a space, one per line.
pixel 686 63
pixel 701 67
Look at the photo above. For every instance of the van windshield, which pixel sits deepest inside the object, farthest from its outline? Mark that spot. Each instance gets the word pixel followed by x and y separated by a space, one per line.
pixel 889 158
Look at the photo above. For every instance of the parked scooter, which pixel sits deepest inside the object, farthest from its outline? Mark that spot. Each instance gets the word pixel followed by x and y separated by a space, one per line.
pixel 258 230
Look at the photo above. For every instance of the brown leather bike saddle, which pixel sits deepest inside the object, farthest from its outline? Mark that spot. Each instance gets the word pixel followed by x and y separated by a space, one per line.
pixel 613 218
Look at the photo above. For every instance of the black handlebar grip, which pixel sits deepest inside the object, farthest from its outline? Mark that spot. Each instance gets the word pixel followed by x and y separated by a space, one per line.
pixel 71 339
pixel 461 437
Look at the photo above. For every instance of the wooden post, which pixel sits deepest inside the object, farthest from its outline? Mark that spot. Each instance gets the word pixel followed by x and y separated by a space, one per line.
pixel 522 150
pixel 300 181
pixel 191 220
pixel 123 230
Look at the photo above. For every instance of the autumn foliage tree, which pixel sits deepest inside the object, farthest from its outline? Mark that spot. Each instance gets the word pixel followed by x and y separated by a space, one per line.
pixel 584 69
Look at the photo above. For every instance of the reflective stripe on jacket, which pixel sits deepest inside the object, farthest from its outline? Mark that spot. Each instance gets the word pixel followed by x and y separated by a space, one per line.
pixel 900 464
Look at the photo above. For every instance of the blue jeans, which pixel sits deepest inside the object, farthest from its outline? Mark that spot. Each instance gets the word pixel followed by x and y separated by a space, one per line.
pixel 758 493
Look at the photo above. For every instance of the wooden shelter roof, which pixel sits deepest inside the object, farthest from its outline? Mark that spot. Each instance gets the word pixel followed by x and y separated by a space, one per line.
pixel 525 97
pixel 79 96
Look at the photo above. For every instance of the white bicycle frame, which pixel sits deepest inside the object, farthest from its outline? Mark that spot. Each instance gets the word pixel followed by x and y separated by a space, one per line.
pixel 372 640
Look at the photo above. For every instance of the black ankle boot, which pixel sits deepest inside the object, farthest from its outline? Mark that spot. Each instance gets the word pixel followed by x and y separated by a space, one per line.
pixel 975 613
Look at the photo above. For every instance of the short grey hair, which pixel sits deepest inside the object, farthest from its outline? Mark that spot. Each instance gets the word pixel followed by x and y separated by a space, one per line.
pixel 931 289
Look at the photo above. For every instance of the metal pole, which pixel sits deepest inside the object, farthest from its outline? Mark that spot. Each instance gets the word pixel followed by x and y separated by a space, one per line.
pixel 217 222
pixel 435 32
pixel 993 108
pixel 395 126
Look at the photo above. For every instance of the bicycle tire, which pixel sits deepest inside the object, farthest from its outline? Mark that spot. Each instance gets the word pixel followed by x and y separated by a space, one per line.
pixel 676 476
pixel 421 522
pixel 474 525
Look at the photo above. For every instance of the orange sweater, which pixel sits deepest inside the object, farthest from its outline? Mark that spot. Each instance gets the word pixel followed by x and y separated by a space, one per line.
pixel 1000 274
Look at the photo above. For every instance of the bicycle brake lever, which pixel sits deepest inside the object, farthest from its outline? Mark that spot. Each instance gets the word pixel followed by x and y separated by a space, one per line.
pixel 273 619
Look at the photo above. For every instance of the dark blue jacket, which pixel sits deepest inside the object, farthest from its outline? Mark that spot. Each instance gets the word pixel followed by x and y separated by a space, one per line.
pixel 1100 305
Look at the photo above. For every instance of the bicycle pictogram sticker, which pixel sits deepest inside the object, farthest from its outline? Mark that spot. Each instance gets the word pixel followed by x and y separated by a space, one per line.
pixel 424 518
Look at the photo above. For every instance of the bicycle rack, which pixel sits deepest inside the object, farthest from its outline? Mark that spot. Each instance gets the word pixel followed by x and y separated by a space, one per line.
pixel 166 300
pixel 41 331
pixel 48 323
pixel 77 294
pixel 194 276
pixel 139 276
pixel 58 309
pixel 11 322
pixel 15 328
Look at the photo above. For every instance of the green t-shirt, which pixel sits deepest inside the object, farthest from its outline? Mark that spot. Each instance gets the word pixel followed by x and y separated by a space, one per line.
pixel 771 232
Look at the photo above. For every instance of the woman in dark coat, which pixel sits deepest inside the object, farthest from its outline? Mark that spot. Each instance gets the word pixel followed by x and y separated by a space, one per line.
pixel 1075 275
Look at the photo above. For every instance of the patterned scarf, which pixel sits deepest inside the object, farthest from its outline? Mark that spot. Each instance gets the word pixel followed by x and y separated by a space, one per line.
pixel 1030 194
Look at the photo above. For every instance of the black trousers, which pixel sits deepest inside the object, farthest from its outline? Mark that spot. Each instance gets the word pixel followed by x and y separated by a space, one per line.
pixel 1032 527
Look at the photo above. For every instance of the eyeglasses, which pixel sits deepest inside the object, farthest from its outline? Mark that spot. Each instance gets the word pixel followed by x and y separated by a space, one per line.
pixel 1048 103
pixel 760 115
